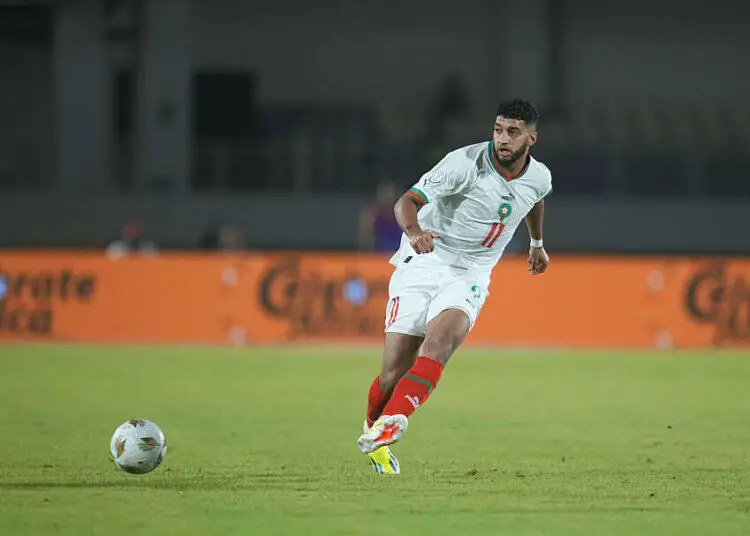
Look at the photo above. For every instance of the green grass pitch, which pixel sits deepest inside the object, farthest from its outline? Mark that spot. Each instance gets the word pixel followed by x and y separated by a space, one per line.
pixel 263 442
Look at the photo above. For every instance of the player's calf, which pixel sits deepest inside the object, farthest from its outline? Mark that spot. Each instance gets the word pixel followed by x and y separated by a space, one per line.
pixel 389 378
pixel 414 388
pixel 444 334
pixel 399 355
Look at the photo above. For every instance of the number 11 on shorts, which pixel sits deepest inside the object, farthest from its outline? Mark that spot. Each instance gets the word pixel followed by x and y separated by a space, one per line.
pixel 493 235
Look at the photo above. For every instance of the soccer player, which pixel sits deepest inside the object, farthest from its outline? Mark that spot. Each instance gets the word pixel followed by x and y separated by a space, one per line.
pixel 457 220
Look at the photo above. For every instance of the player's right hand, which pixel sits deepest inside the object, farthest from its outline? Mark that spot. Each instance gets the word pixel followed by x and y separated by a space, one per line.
pixel 423 242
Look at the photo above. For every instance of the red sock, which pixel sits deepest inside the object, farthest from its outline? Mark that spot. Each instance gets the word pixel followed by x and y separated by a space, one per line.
pixel 414 388
pixel 376 400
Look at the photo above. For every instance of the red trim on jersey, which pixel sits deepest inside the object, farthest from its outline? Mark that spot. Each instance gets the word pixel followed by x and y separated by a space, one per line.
pixel 394 310
pixel 500 229
pixel 490 234
pixel 496 164
pixel 416 197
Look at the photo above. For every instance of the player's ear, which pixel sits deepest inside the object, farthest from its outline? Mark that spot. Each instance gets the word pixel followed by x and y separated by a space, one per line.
pixel 532 137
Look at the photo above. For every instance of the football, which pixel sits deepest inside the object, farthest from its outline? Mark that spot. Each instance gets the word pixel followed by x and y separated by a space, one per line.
pixel 138 446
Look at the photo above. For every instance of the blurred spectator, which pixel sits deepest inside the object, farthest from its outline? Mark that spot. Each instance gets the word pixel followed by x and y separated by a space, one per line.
pixel 131 241
pixel 378 229
pixel 450 111
pixel 223 238
pixel 448 123
pixel 451 100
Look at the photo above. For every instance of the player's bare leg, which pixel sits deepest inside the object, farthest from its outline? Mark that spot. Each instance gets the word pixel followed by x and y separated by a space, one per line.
pixel 399 354
pixel 444 335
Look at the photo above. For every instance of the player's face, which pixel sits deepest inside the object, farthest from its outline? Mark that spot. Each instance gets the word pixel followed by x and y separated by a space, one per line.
pixel 512 139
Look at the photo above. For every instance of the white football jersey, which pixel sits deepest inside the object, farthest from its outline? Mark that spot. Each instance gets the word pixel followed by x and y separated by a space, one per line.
pixel 473 207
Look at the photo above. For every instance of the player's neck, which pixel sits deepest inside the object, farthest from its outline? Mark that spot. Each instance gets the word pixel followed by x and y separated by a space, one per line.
pixel 513 171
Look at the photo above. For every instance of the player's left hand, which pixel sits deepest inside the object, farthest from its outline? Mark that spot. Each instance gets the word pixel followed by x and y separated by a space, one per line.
pixel 538 260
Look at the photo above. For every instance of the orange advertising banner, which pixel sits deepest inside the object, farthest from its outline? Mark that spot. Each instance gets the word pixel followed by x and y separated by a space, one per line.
pixel 256 299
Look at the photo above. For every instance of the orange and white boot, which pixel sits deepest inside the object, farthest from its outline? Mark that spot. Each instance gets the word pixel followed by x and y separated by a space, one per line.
pixel 382 459
pixel 387 430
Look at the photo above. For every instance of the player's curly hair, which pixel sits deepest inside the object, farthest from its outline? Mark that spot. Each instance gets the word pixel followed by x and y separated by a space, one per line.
pixel 519 109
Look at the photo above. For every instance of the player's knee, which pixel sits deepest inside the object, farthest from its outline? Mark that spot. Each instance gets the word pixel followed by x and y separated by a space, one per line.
pixel 439 346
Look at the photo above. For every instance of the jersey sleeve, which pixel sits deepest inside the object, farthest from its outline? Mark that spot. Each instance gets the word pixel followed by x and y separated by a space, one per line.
pixel 450 176
pixel 547 193
pixel 545 188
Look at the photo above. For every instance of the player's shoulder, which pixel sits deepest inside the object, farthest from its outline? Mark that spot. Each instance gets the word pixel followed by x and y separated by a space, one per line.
pixel 539 170
pixel 539 167
pixel 469 152
pixel 541 175
pixel 469 156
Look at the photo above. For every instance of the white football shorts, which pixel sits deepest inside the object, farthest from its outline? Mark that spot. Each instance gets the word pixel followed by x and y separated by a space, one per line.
pixel 421 287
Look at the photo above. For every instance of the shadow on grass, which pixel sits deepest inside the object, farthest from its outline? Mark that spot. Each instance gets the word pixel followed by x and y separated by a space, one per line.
pixel 279 484
pixel 166 481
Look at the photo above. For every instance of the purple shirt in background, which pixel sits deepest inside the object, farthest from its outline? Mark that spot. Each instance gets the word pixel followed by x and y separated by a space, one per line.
pixel 386 232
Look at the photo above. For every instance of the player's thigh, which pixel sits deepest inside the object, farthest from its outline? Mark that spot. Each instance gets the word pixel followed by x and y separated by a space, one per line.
pixel 451 316
pixel 464 293
pixel 445 333
pixel 399 355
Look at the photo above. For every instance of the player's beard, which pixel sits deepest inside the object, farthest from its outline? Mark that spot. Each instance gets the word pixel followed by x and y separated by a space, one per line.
pixel 513 158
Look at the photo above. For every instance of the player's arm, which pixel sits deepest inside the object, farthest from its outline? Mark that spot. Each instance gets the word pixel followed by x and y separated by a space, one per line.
pixel 538 258
pixel 447 178
pixel 406 215
pixel 535 221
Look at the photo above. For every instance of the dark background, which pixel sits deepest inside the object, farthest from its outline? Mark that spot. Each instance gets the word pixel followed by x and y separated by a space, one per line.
pixel 280 118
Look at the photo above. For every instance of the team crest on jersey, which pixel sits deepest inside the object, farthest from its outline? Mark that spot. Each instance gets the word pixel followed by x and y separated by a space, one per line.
pixel 437 177
pixel 504 211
